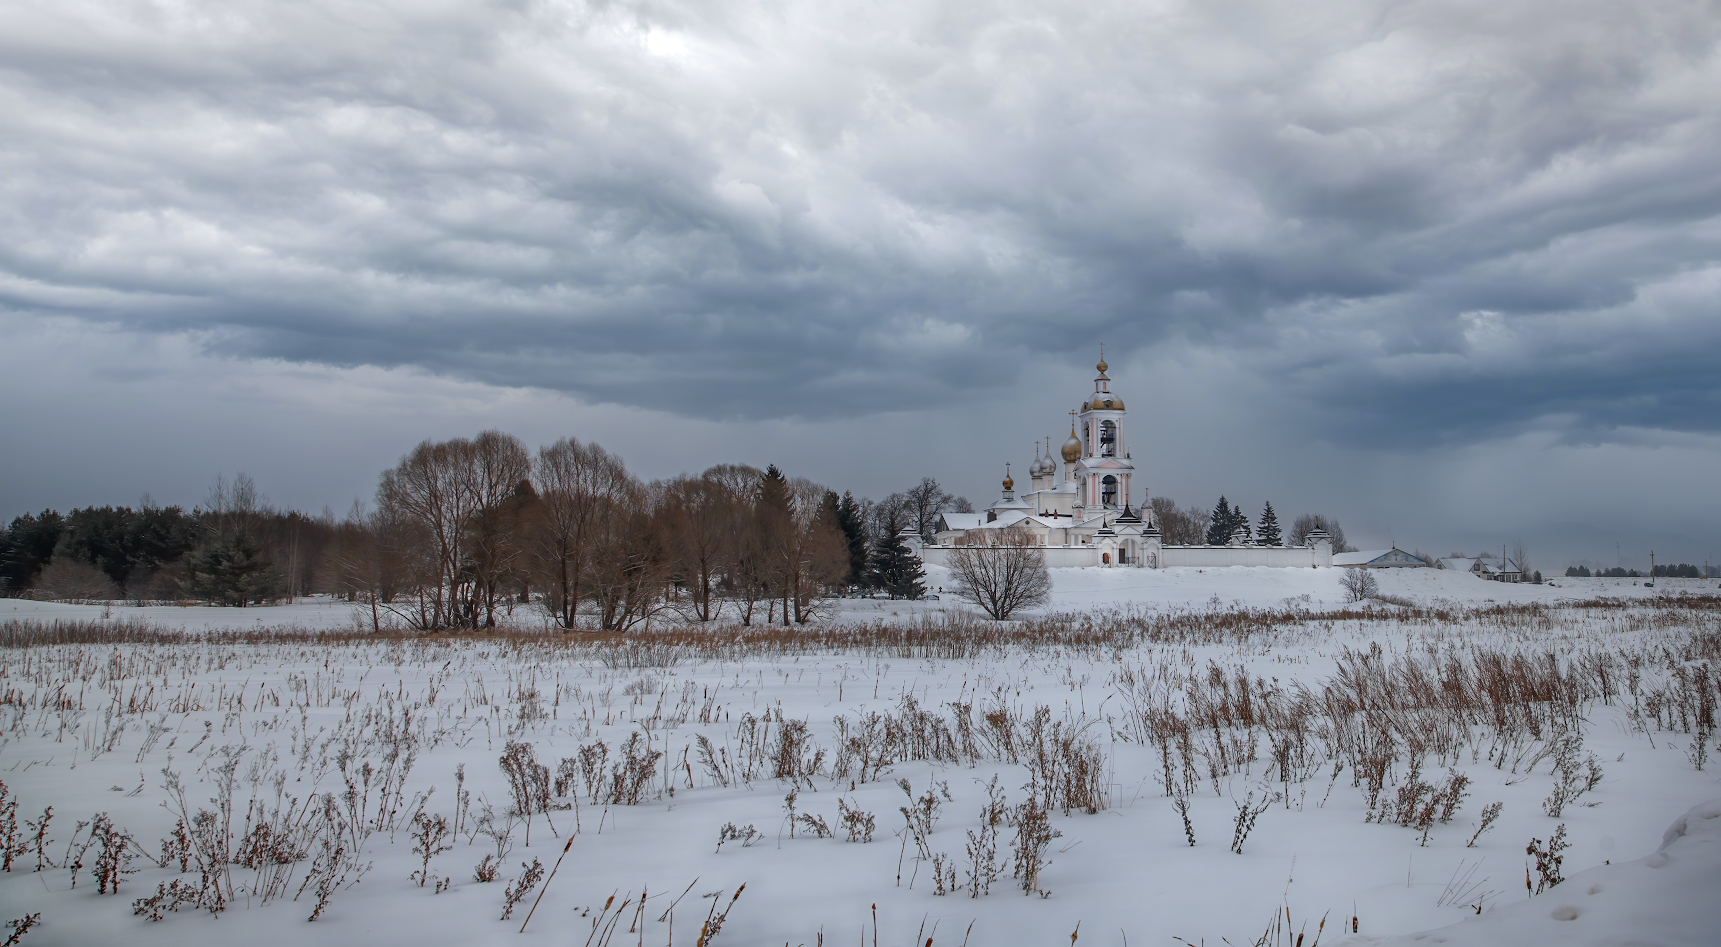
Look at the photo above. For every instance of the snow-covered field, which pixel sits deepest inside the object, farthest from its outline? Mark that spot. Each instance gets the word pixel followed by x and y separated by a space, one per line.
pixel 1228 687
pixel 1073 590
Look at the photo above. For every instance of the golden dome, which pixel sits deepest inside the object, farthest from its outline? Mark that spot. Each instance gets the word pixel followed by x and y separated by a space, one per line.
pixel 1009 484
pixel 1104 401
pixel 1072 448
pixel 1102 366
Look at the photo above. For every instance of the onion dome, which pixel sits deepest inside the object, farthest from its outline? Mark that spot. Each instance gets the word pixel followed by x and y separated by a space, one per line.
pixel 1043 465
pixel 1104 401
pixel 1008 483
pixel 1072 449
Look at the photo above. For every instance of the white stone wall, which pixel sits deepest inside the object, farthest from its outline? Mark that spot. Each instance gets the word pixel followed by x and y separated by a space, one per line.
pixel 1214 557
pixel 1153 555
pixel 1057 557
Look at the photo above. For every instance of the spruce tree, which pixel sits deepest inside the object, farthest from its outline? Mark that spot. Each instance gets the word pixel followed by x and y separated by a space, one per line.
pixel 1239 521
pixel 1219 524
pixel 231 570
pixel 897 570
pixel 1267 533
pixel 774 491
pixel 853 525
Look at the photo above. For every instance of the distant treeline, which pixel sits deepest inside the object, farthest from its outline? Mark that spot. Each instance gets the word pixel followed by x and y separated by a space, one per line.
pixel 1682 571
pixel 461 529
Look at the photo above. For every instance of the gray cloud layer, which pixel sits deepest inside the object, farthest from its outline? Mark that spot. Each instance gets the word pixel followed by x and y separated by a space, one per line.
pixel 1422 223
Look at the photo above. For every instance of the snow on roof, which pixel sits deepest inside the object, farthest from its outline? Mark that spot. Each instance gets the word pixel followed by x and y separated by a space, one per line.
pixel 1374 555
pixel 962 520
pixel 1485 566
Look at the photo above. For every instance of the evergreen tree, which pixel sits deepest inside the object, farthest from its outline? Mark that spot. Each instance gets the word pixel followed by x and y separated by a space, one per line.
pixel 1267 533
pixel 232 570
pixel 1240 522
pixel 853 525
pixel 29 544
pixel 774 491
pixel 897 570
pixel 1219 524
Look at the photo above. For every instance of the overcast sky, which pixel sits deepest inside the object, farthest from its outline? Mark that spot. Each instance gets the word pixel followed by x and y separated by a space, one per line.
pixel 1449 272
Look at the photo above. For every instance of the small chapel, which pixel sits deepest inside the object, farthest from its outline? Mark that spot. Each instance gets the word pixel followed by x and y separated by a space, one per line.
pixel 1080 510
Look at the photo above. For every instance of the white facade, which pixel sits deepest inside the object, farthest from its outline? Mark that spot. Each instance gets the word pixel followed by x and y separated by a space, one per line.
pixel 1080 511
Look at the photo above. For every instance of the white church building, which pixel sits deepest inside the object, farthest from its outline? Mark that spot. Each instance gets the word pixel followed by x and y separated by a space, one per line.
pixel 1080 511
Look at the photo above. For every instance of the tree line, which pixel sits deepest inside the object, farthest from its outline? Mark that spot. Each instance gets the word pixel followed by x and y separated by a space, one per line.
pixel 465 529
pixel 1194 526
pixel 1683 570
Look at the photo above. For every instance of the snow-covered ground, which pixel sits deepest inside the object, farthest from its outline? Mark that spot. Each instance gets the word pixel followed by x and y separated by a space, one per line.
pixel 1074 590
pixel 105 728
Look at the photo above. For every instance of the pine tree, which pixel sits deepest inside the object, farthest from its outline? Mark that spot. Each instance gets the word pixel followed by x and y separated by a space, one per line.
pixel 1267 533
pixel 29 545
pixel 897 570
pixel 1219 524
pixel 1240 522
pixel 232 570
pixel 853 525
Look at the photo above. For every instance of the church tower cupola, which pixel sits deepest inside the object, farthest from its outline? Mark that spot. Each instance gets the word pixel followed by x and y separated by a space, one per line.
pixel 1105 468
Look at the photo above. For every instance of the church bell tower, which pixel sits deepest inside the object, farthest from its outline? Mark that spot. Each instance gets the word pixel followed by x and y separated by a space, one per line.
pixel 1104 470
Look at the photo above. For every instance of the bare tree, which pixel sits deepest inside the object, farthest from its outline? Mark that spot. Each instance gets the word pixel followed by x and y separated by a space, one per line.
pixel 888 517
pixel 65 579
pixel 1359 584
pixel 425 490
pixel 377 556
pixel 700 513
pixel 1179 527
pixel 818 552
pixel 630 565
pixel 575 483
pixel 747 579
pixel 234 507
pixel 1001 571
pixel 1306 524
pixel 1521 557
pixel 442 489
pixel 499 471
pixel 925 500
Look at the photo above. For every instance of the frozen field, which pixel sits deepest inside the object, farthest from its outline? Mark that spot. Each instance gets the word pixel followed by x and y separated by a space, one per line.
pixel 1073 590
pixel 1367 745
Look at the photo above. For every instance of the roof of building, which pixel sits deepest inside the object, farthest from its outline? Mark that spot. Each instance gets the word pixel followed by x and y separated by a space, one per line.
pixel 1482 566
pixel 1370 557
pixel 961 520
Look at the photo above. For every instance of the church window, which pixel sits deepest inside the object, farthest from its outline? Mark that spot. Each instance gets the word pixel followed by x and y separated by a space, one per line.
pixel 1108 490
pixel 1108 439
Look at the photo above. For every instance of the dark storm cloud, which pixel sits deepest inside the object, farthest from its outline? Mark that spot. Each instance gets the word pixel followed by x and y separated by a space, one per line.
pixel 1421 222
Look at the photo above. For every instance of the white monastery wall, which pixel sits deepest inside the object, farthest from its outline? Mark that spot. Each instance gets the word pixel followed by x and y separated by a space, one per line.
pixel 1168 557
pixel 1214 557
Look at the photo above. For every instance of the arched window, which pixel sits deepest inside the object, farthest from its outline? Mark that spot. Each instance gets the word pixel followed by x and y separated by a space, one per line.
pixel 1108 439
pixel 1108 489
